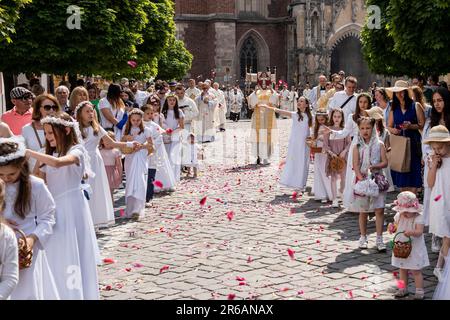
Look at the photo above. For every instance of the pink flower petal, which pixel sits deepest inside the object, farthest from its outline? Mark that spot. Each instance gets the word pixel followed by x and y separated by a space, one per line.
pixel 158 184
pixel 249 259
pixel 242 283
pixel 178 217
pixel 401 284
pixel 203 201
pixel 108 261
pixel 291 253
pixel 300 292
pixel 350 294
pixel 231 296
pixel 230 215
pixel 127 269
pixel 137 265
pixel 438 197
pixel 163 269
pixel 132 64
pixel 240 278
pixel 122 212
pixel 294 195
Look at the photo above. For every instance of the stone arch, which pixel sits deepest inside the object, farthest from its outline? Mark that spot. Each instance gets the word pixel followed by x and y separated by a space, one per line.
pixel 263 52
pixel 345 53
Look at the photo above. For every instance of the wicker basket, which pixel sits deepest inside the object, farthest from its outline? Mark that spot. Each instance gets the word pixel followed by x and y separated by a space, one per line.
pixel 127 150
pixel 336 164
pixel 401 249
pixel 25 252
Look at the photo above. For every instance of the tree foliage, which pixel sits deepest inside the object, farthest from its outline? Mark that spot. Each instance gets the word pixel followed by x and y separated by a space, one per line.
pixel 112 33
pixel 411 39
pixel 9 14
pixel 175 62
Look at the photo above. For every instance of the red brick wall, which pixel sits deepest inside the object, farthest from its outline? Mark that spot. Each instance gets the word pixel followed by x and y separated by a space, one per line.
pixel 275 37
pixel 278 8
pixel 204 7
pixel 191 7
pixel 199 39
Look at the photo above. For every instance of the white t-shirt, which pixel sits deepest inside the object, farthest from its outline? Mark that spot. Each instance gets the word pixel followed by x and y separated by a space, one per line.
pixel 118 113
pixel 32 142
pixel 339 99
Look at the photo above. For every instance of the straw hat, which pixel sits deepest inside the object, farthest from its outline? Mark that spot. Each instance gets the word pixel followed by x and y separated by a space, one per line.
pixel 407 202
pixel 400 85
pixel 438 134
pixel 375 113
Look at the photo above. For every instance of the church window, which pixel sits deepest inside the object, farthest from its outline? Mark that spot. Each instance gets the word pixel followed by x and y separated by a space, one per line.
pixel 249 57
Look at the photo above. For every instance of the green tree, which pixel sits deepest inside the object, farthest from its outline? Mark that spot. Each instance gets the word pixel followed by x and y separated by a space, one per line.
pixel 111 34
pixel 175 62
pixel 413 38
pixel 9 14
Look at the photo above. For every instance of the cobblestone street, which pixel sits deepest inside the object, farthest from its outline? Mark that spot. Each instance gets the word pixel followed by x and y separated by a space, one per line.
pixel 250 239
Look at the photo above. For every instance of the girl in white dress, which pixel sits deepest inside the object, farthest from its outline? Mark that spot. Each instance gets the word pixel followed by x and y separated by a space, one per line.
pixel 369 157
pixel 29 207
pixel 136 164
pixel 112 111
pixel 164 172
pixel 72 250
pixel 295 171
pixel 409 223
pixel 438 182
pixel 322 183
pixel 191 153
pixel 33 133
pixel 174 125
pixel 100 202
pixel 9 254
pixel 363 103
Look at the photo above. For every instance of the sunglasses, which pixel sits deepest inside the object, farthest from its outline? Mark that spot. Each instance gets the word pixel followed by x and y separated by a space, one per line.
pixel 49 107
pixel 26 97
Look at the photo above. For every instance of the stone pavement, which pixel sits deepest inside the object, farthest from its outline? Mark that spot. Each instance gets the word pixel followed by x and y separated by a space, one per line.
pixel 238 242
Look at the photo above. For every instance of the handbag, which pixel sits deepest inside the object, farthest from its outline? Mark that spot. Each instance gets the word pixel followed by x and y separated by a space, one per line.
pixel 381 181
pixel 366 188
pixel 401 160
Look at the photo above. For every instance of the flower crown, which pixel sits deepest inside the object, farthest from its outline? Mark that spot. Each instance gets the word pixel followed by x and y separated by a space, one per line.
pixel 81 105
pixel 19 153
pixel 58 121
pixel 136 111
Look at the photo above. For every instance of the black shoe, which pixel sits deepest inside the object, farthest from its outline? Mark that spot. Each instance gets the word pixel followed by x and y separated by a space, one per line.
pixel 258 161
pixel 222 130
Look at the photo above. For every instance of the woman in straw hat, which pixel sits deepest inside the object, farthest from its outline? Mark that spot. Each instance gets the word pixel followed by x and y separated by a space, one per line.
pixel 438 178
pixel 439 115
pixel 406 118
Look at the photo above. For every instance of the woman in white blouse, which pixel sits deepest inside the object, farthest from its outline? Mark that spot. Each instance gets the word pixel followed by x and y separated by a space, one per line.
pixel 33 133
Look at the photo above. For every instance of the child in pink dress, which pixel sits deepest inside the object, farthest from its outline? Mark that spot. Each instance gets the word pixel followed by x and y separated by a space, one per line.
pixel 112 158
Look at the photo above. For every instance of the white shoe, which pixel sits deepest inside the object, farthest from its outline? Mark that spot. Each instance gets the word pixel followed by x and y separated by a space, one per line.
pixel 324 201
pixel 438 273
pixel 363 243
pixel 335 203
pixel 381 247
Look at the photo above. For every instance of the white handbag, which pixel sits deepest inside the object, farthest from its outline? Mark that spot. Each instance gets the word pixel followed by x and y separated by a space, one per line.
pixel 366 187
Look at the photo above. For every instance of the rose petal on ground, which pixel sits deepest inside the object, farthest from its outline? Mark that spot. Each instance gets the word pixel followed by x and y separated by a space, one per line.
pixel 137 265
pixel 107 288
pixel 294 195
pixel 242 283
pixel 230 215
pixel 249 259
pixel 291 253
pixel 119 286
pixel 231 296
pixel 203 201
pixel 163 269
pixel 158 184
pixel 108 261
pixel 300 292
pixel 240 278
pixel 401 284
pixel 178 217
pixel 127 269
pixel 350 294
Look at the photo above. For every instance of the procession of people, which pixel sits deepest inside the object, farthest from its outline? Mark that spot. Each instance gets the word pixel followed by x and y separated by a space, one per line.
pixel 63 157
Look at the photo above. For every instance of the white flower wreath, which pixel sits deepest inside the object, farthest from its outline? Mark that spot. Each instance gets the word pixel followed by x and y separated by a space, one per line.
pixel 19 153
